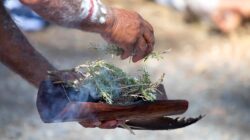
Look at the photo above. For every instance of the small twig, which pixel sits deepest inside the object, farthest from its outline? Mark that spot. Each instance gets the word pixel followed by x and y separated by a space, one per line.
pixel 159 91
pixel 65 93
pixel 125 126
pixel 134 86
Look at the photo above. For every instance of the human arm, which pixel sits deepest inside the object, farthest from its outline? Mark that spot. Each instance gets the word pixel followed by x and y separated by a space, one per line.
pixel 18 54
pixel 124 28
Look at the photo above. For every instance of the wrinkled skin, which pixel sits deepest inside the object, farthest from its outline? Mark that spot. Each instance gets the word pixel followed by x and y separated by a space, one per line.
pixel 131 32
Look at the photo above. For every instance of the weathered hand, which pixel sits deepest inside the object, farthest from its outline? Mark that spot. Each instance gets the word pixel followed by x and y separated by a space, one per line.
pixel 130 32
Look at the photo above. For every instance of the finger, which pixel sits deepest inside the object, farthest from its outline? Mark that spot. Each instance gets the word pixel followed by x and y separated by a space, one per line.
pixel 141 43
pixel 127 52
pixel 109 124
pixel 150 49
pixel 141 48
pixel 149 26
pixel 90 124
pixel 150 40
pixel 149 37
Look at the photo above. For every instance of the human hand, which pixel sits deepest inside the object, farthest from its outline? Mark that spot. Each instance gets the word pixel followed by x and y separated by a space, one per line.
pixel 129 31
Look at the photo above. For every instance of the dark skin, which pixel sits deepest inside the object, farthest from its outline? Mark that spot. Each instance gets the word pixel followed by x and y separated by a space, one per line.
pixel 126 29
pixel 19 55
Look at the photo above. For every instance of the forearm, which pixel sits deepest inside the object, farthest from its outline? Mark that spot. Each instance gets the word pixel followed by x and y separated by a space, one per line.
pixel 17 53
pixel 127 29
pixel 90 15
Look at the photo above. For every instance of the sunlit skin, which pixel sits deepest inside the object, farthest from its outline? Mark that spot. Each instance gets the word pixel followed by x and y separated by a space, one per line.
pixel 124 28
pixel 131 32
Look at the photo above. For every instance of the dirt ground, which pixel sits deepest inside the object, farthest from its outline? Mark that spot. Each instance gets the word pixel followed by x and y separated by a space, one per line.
pixel 208 69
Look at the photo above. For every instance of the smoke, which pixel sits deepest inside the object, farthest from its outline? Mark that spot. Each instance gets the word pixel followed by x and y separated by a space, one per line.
pixel 90 90
pixel 54 99
pixel 61 98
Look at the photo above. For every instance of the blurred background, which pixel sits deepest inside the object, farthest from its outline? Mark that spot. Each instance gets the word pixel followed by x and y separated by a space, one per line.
pixel 208 68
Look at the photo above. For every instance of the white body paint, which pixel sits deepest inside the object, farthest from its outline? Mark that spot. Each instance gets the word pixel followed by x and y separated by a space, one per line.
pixel 68 13
pixel 94 10
pixel 85 6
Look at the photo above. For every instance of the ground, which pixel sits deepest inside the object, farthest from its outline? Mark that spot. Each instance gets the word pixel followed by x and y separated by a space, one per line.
pixel 208 69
